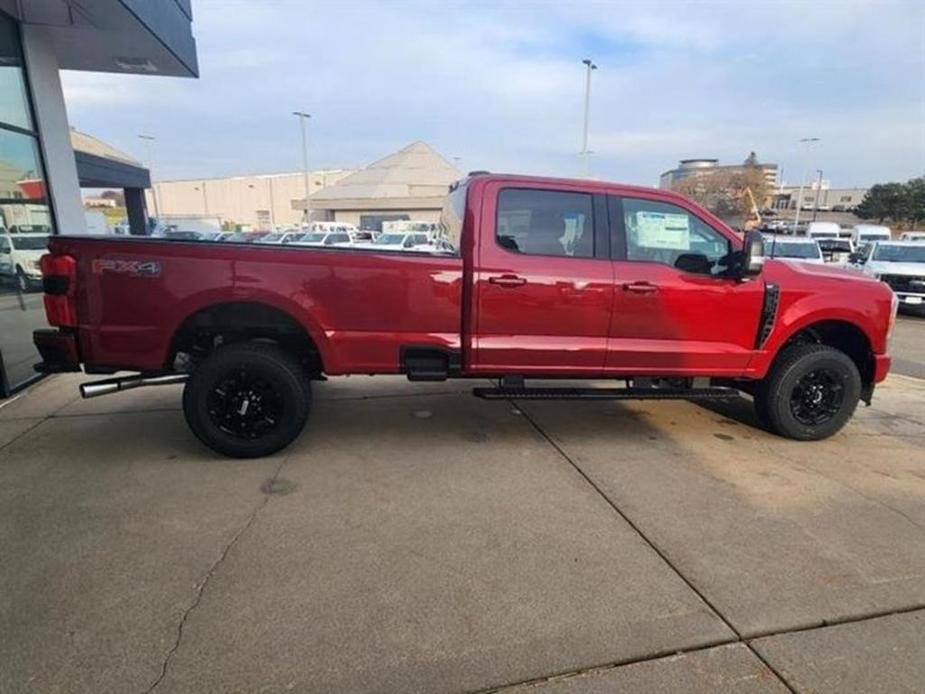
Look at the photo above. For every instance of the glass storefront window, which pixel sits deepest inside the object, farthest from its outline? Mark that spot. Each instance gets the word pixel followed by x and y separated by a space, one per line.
pixel 20 168
pixel 25 218
pixel 14 99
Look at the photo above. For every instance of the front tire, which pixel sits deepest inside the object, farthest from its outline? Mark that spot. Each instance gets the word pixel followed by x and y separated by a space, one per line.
pixel 247 400
pixel 810 393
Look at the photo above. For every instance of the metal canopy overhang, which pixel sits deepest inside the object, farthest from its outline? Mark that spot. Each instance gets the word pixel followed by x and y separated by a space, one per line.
pixel 99 172
pixel 144 37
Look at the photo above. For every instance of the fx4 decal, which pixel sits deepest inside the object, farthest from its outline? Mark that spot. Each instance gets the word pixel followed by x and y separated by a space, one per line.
pixel 138 268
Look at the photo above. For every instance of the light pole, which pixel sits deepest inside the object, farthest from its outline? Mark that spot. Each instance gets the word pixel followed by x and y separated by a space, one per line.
pixel 806 141
pixel 584 140
pixel 818 190
pixel 302 116
pixel 148 140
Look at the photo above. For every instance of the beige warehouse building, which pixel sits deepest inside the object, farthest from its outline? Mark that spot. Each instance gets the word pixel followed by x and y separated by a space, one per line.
pixel 412 183
pixel 409 184
pixel 263 201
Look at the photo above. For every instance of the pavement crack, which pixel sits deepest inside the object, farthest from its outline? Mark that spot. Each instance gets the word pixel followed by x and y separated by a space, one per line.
pixel 201 586
pixel 652 544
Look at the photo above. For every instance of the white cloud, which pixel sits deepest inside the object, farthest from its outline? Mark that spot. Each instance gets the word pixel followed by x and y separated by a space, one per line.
pixel 501 85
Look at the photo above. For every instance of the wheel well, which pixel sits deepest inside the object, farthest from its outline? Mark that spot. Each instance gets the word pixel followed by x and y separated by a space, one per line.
pixel 845 337
pixel 221 324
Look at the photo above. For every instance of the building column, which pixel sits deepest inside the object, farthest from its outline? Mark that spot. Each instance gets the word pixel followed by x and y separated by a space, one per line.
pixel 54 131
pixel 135 211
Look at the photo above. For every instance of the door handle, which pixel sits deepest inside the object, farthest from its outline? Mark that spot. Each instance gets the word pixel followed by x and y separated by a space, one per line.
pixel 640 287
pixel 508 281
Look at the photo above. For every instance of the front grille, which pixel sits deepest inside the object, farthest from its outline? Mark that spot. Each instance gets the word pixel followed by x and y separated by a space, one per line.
pixel 905 283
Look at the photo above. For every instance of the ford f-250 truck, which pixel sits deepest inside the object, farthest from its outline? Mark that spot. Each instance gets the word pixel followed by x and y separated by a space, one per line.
pixel 542 278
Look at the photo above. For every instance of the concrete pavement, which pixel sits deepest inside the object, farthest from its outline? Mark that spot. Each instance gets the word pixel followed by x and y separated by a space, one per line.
pixel 908 345
pixel 417 539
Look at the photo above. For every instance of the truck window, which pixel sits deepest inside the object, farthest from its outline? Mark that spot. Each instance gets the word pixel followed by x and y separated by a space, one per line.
pixel 660 232
pixel 545 222
pixel 449 228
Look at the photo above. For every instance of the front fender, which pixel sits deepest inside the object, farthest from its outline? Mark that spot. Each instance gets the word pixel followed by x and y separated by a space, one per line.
pixel 870 316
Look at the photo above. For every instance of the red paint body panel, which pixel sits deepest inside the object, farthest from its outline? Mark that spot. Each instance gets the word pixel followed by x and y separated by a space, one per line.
pixel 557 316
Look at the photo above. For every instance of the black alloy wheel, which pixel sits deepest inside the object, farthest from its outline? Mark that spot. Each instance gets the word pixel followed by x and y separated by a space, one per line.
pixel 817 397
pixel 247 400
pixel 810 392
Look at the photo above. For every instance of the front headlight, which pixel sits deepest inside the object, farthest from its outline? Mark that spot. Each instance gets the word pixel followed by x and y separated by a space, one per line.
pixel 894 309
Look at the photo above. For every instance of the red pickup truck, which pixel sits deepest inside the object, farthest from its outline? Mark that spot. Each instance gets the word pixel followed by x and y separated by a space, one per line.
pixel 531 278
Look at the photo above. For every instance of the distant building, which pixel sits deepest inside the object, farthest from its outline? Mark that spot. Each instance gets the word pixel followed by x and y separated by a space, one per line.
pixel 835 199
pixel 99 202
pixel 412 183
pixel 409 184
pixel 688 168
pixel 262 201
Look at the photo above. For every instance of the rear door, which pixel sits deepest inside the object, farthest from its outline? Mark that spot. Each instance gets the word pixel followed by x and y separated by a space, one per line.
pixel 543 283
pixel 676 309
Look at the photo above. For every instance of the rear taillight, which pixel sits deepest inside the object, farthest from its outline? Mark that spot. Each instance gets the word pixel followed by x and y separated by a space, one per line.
pixel 59 278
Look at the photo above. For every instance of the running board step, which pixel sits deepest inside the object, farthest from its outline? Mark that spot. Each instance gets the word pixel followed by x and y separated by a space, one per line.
pixel 604 393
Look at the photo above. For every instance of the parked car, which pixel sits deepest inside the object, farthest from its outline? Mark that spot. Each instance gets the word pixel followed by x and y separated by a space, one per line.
pixel 323 238
pixel 19 257
pixel 398 242
pixel 912 236
pixel 899 264
pixel 804 250
pixel 837 251
pixel 823 230
pixel 865 233
pixel 281 237
pixel 549 278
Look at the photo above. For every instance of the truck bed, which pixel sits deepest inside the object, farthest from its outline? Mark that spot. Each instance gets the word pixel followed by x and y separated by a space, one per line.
pixel 359 306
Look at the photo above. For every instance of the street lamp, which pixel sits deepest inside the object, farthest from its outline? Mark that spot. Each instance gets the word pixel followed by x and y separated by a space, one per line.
pixel 584 140
pixel 818 190
pixel 148 140
pixel 805 141
pixel 302 116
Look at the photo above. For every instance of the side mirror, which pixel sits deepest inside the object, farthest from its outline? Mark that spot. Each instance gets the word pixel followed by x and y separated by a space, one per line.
pixel 752 254
pixel 854 258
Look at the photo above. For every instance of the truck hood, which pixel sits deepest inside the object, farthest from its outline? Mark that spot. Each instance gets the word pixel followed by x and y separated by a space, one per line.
pixel 878 267
pixel 828 271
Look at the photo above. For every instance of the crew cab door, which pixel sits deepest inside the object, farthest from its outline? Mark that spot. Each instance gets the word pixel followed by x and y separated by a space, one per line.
pixel 677 311
pixel 543 281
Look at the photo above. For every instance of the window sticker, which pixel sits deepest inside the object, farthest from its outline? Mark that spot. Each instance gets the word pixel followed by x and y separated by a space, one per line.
pixel 662 230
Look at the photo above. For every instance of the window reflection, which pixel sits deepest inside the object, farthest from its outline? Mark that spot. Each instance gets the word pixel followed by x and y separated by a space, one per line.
pixel 14 102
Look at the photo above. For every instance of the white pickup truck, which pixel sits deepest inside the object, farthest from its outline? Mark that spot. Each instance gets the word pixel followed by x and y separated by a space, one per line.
pixel 901 265
pixel 19 258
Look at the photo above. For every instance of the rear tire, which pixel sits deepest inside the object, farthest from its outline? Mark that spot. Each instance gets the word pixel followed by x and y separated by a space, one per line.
pixel 247 400
pixel 810 393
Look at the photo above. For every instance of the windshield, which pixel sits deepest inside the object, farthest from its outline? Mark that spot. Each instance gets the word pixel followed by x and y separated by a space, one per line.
pixel 792 249
pixel 29 243
pixel 270 238
pixel 833 246
pixel 313 237
pixel 389 239
pixel 900 254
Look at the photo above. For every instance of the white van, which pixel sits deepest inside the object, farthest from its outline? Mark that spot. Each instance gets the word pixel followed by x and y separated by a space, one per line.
pixel 912 236
pixel 863 234
pixel 822 230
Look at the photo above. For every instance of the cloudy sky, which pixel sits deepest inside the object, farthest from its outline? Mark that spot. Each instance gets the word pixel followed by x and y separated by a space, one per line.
pixel 501 85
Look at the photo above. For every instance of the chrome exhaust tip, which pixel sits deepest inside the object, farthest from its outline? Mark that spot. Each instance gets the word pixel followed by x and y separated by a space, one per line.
pixel 114 385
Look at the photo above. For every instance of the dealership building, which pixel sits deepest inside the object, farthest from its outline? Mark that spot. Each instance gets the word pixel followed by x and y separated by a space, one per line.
pixel 41 174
